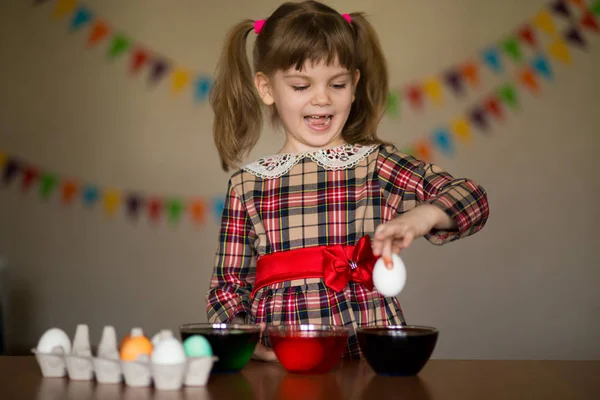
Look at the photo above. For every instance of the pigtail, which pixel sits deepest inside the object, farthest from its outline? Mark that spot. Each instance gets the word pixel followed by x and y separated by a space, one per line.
pixel 372 90
pixel 238 115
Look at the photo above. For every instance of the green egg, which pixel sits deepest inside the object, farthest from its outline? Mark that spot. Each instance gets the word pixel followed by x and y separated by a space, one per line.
pixel 197 346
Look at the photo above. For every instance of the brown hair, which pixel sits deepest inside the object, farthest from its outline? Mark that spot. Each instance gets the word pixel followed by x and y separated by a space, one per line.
pixel 293 34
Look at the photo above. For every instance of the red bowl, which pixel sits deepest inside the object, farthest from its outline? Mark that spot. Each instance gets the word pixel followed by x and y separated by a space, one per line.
pixel 308 349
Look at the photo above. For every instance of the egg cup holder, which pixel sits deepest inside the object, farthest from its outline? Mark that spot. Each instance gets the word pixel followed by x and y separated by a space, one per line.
pixel 107 368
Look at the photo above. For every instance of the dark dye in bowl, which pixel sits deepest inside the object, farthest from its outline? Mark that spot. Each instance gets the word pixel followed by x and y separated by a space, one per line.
pixel 308 349
pixel 397 350
pixel 233 344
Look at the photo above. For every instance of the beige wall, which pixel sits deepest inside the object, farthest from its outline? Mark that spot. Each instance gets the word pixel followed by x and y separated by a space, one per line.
pixel 525 287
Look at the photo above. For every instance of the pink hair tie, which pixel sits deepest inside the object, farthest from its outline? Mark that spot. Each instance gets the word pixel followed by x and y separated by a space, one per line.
pixel 347 17
pixel 258 25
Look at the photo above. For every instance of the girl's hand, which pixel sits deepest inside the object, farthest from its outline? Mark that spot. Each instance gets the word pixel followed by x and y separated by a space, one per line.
pixel 261 352
pixel 398 233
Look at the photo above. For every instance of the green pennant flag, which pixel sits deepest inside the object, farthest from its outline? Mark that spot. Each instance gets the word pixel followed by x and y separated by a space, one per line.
pixel 408 150
pixel 118 45
pixel 393 104
pixel 174 208
pixel 47 184
pixel 512 48
pixel 508 95
pixel 595 8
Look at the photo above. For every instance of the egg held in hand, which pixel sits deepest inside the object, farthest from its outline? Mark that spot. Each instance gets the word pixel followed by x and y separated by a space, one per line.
pixel 389 282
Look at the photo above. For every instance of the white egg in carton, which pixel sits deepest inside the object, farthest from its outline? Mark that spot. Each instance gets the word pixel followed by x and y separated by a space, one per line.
pixel 57 358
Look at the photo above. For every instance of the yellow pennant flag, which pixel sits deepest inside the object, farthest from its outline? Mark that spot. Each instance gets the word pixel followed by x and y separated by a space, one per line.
pixel 111 200
pixel 180 79
pixel 462 129
pixel 2 159
pixel 433 88
pixel 560 51
pixel 544 21
pixel 64 7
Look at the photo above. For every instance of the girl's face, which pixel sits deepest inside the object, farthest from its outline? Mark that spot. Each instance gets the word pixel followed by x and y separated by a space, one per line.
pixel 313 104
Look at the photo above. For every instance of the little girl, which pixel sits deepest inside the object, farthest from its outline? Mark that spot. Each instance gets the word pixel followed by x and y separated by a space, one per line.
pixel 301 229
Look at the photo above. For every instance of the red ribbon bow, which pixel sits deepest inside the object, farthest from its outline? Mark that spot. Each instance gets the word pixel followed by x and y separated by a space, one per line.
pixel 343 264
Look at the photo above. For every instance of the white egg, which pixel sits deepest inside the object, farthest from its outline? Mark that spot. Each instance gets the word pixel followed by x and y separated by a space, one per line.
pixel 389 282
pixel 163 334
pixel 168 351
pixel 52 338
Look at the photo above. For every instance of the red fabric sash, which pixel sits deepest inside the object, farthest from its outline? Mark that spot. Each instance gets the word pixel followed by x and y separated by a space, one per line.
pixel 337 265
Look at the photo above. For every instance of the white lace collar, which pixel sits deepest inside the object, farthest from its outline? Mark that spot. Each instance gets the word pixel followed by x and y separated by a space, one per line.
pixel 337 158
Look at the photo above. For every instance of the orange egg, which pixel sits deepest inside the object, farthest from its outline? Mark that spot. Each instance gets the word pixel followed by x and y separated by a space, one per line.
pixel 135 346
pixel 126 338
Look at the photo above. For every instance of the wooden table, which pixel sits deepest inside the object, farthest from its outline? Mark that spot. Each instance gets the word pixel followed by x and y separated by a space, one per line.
pixel 21 379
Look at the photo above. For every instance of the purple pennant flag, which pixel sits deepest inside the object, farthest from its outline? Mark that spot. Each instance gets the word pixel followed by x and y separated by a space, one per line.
pixel 159 68
pixel 133 205
pixel 11 168
pixel 454 80
pixel 479 118
pixel 572 35
pixel 561 8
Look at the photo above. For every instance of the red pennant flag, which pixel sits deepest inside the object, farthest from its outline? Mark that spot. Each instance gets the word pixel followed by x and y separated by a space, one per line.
pixel 528 78
pixel 68 191
pixel 99 31
pixel 415 96
pixel 154 209
pixel 30 174
pixel 470 73
pixel 139 57
pixel 579 3
pixel 526 35
pixel 198 210
pixel 589 22
pixel 492 106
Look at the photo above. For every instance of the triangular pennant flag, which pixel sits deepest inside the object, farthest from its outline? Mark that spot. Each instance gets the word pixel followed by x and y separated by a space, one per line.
pixel 11 169
pixel 118 45
pixel 174 208
pixel 443 141
pixel 3 159
pixel 393 104
pixel 512 49
pixel 139 57
pixel 47 184
pixel 198 210
pixel 560 51
pixel 542 66
pixel 508 95
pixel 572 35
pixel 595 8
pixel 69 191
pixel 415 96
pixel 579 3
pixel 111 200
pixel 218 205
pixel 423 150
pixel 470 72
pixel 99 31
pixel 478 118
pixel 491 57
pixel 590 22
pixel 408 150
pixel 159 68
pixel 204 84
pixel 526 35
pixel 560 8
pixel 30 174
pixel 454 80
pixel 63 7
pixel 433 88
pixel 81 17
pixel 545 23
pixel 528 78
pixel 179 79
pixel 154 209
pixel 461 129
pixel 134 203
pixel 492 106
pixel 90 195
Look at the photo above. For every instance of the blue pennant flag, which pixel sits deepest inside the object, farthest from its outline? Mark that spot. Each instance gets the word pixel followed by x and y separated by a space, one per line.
pixel 491 57
pixel 218 205
pixel 443 141
pixel 542 66
pixel 81 17
pixel 90 195
pixel 203 86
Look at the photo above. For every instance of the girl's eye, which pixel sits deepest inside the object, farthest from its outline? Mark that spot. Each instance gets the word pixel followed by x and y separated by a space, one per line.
pixel 299 88
pixel 340 86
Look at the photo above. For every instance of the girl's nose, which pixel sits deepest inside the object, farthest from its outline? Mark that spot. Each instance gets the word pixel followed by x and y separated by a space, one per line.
pixel 321 98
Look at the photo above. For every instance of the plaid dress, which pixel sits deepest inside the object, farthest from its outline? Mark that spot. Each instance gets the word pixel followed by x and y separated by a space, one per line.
pixel 328 197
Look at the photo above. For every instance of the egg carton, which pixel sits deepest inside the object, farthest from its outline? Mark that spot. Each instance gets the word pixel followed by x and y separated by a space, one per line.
pixel 107 368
